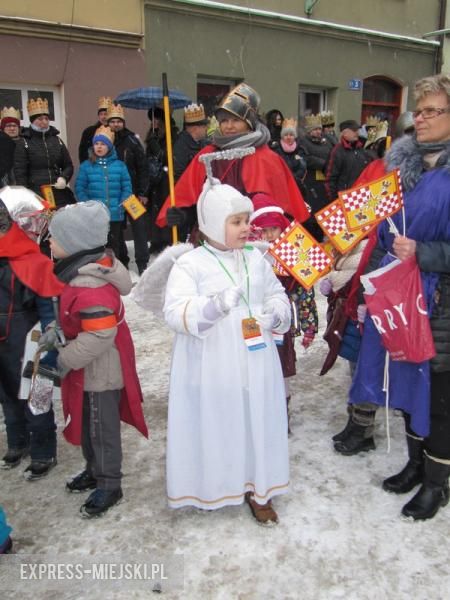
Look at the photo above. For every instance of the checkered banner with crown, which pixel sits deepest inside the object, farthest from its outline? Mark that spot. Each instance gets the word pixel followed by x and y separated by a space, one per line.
pixel 372 202
pixel 332 222
pixel 301 255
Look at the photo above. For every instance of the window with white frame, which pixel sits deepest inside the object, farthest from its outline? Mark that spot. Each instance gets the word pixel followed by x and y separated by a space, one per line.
pixel 18 96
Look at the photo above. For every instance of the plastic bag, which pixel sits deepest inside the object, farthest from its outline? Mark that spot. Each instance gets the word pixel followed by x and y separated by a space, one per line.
pixel 41 391
pixel 397 307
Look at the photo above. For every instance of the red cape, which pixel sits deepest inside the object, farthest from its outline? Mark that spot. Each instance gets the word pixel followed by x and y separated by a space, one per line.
pixel 29 265
pixel 74 300
pixel 264 171
pixel 374 170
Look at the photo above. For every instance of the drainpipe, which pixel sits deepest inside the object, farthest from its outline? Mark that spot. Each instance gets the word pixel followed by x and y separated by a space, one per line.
pixel 440 51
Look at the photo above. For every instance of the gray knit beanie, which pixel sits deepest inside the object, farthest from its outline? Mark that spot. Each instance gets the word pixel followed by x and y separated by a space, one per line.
pixel 81 226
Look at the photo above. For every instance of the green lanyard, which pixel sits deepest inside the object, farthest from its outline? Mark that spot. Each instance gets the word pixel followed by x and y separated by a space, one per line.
pixel 246 300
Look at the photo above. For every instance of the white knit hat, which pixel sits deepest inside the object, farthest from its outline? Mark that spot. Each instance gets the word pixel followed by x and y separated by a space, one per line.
pixel 81 226
pixel 216 203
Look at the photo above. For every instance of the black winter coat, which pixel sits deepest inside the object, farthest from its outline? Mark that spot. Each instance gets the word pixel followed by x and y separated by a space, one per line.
pixel 184 150
pixel 7 148
pixel 130 150
pixel 86 141
pixel 41 158
pixel 316 153
pixel 20 310
pixel 18 314
pixel 295 161
pixel 435 257
pixel 345 165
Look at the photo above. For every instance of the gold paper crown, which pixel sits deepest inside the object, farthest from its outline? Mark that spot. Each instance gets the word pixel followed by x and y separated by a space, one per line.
pixel 104 102
pixel 194 113
pixel 105 131
pixel 10 111
pixel 377 133
pixel 38 106
pixel 313 122
pixel 327 118
pixel 289 124
pixel 372 121
pixel 115 111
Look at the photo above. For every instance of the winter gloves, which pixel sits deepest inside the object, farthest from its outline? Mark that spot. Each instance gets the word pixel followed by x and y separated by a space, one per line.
pixel 268 320
pixel 175 217
pixel 325 287
pixel 60 183
pixel 220 305
pixel 361 312
pixel 308 338
pixel 50 339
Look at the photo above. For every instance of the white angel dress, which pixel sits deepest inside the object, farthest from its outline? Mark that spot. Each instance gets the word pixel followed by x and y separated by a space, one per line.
pixel 227 423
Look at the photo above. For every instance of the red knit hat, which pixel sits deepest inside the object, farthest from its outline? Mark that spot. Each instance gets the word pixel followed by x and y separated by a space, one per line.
pixel 267 213
pixel 7 120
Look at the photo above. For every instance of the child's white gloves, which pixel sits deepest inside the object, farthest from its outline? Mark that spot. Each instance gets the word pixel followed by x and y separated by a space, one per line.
pixel 268 320
pixel 220 305
pixel 228 299
pixel 60 183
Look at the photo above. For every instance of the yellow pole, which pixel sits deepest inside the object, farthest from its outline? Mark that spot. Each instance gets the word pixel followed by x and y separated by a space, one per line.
pixel 169 151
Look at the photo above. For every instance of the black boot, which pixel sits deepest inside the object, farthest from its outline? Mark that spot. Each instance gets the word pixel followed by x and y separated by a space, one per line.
pixel 340 437
pixel 433 493
pixel 359 436
pixel 412 474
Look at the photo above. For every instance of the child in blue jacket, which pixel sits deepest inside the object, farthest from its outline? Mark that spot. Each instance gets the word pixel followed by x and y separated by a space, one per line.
pixel 105 178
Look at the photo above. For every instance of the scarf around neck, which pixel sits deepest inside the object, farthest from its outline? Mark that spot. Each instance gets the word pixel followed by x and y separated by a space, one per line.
pixel 255 139
pixel 289 148
pixel 67 269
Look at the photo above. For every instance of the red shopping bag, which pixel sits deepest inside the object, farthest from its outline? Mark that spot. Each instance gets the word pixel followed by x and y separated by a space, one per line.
pixel 397 307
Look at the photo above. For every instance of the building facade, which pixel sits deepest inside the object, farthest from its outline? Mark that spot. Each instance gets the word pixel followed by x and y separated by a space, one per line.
pixel 355 58
pixel 71 52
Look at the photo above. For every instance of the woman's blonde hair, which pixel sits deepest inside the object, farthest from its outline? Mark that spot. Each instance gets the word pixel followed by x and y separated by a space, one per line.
pixel 432 85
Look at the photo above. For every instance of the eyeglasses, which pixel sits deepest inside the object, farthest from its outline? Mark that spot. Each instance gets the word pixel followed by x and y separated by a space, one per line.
pixel 429 113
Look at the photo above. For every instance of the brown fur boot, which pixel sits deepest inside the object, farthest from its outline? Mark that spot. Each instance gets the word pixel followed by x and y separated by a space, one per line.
pixel 263 513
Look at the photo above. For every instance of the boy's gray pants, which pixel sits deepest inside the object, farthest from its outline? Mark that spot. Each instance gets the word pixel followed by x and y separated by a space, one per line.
pixel 100 438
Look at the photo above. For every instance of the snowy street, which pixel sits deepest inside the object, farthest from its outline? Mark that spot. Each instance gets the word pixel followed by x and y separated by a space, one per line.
pixel 340 535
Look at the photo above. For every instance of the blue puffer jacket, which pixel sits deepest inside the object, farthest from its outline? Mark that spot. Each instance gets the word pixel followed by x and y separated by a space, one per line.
pixel 107 180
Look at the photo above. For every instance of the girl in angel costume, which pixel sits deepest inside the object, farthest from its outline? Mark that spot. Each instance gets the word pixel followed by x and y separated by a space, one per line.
pixel 227 424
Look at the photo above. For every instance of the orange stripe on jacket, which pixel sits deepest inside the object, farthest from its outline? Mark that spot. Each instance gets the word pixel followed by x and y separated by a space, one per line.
pixel 97 323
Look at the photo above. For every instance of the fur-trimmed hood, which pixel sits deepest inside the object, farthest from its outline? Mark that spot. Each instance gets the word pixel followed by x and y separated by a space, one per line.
pixel 407 155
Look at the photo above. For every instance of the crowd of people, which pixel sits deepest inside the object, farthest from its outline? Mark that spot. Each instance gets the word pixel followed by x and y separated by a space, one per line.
pixel 235 315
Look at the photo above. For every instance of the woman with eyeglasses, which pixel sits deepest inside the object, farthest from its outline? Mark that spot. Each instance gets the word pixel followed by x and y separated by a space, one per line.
pixel 421 390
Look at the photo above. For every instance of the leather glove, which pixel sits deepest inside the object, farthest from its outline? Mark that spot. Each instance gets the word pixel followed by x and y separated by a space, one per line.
pixel 228 299
pixel 175 216
pixel 268 320
pixel 60 183
pixel 308 338
pixel 361 312
pixel 325 287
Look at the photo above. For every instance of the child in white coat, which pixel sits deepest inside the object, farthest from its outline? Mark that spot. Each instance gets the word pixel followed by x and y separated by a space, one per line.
pixel 227 429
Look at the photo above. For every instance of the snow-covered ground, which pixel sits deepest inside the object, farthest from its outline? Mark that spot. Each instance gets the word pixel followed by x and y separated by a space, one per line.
pixel 340 536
